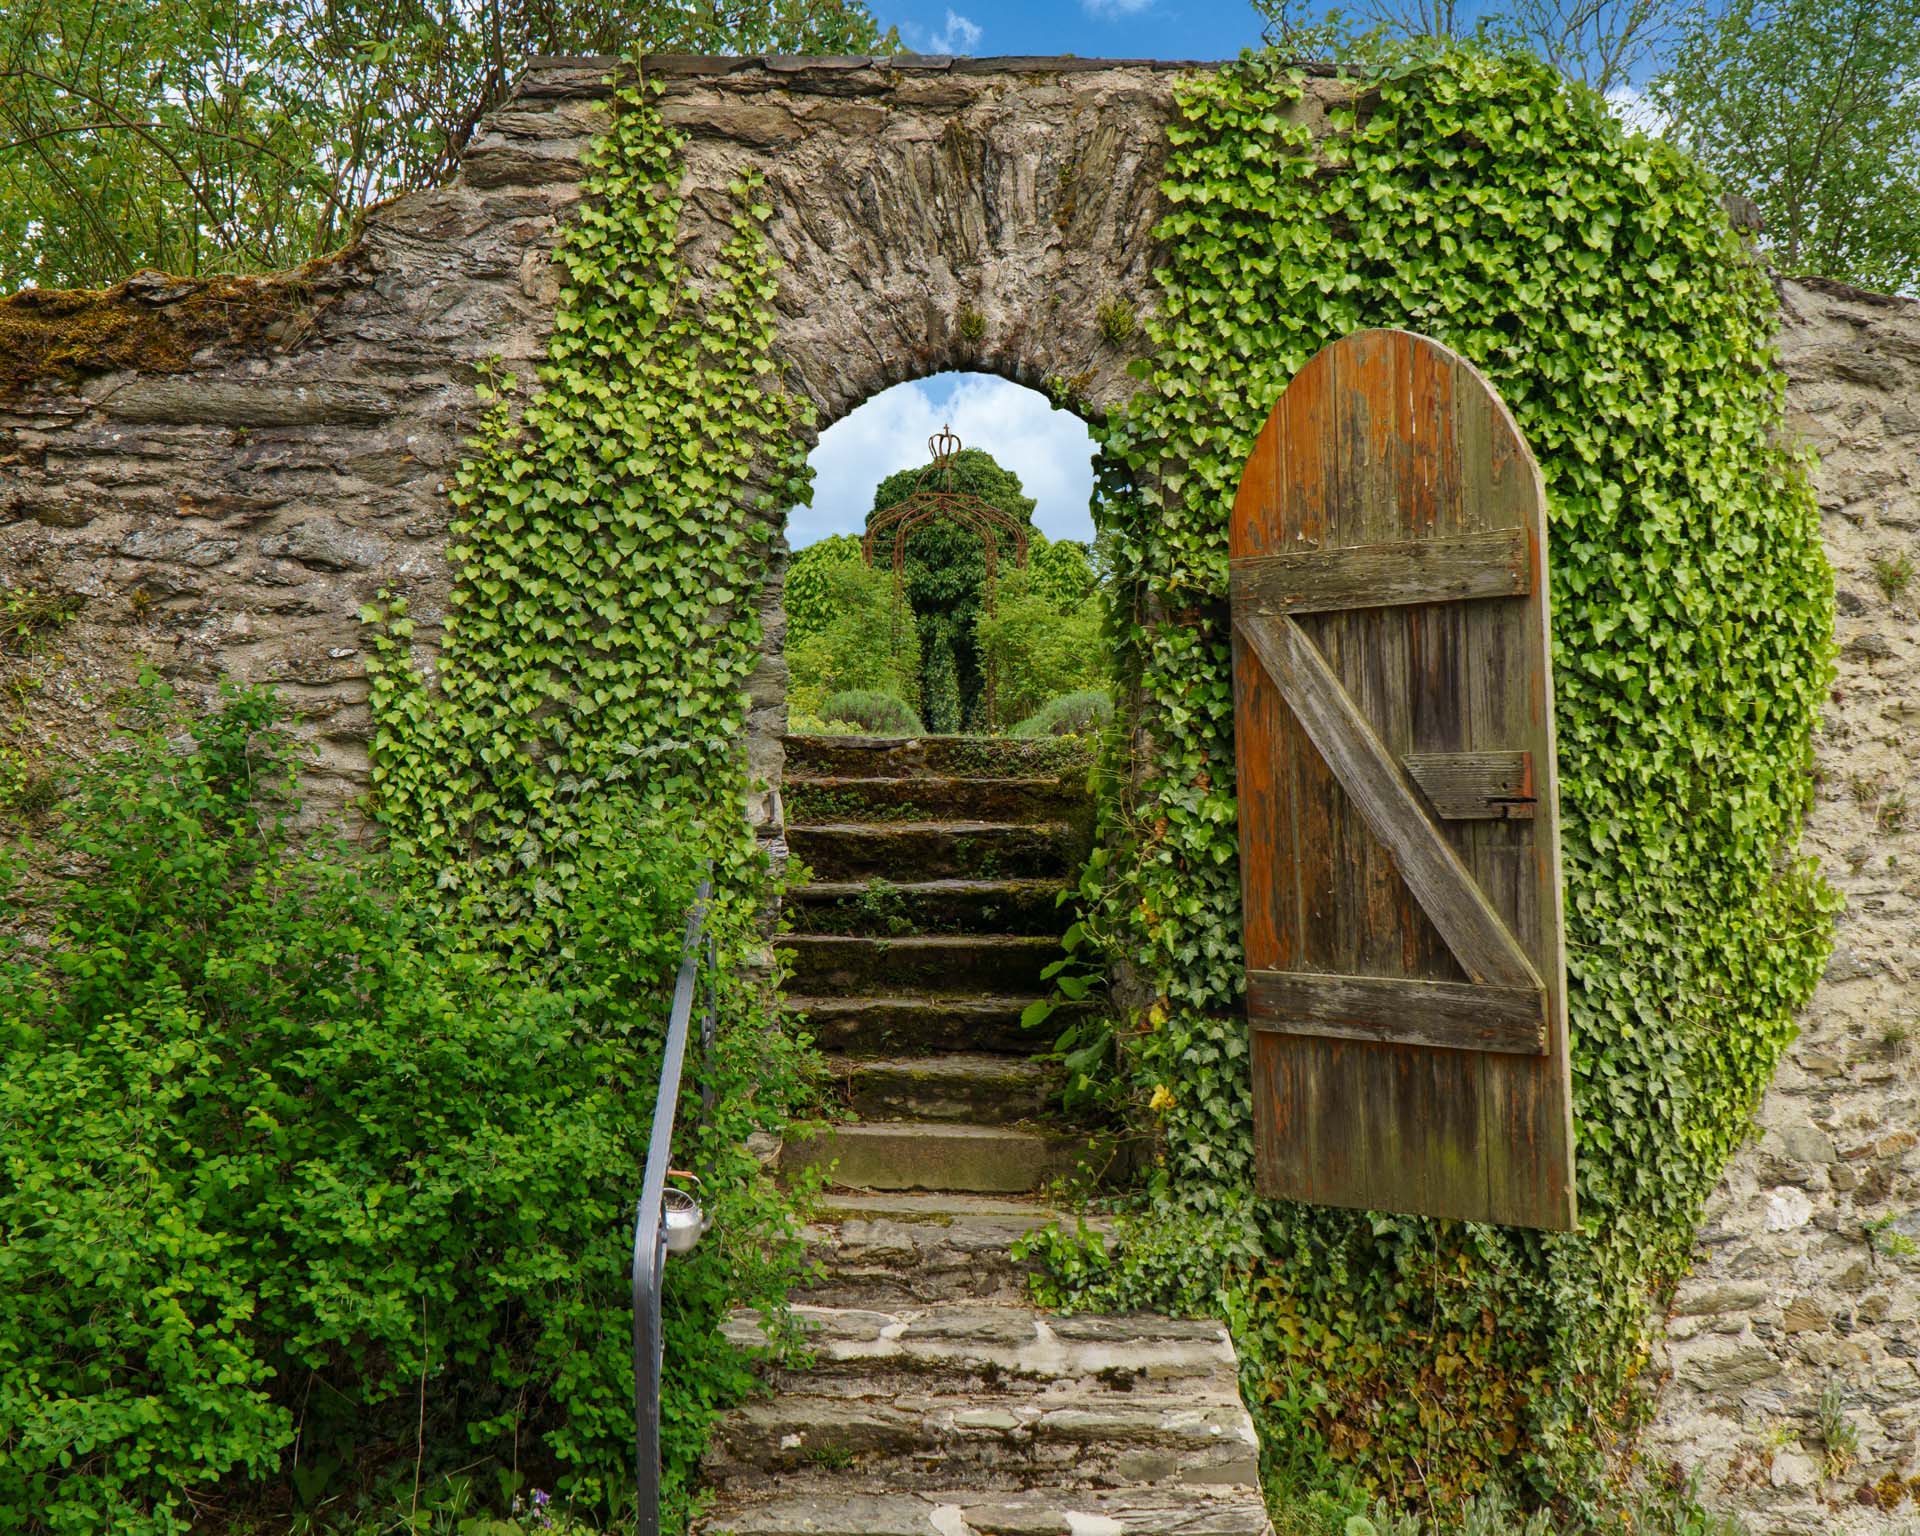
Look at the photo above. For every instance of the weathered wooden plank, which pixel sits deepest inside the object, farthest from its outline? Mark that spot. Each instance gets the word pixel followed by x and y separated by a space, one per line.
pixel 1507 690
pixel 1433 871
pixel 1406 571
pixel 1399 1010
pixel 1475 786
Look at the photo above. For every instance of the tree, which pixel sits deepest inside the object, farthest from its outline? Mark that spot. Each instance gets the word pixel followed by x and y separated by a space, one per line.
pixel 867 642
pixel 808 598
pixel 1603 43
pixel 234 135
pixel 1042 645
pixel 1811 108
pixel 945 579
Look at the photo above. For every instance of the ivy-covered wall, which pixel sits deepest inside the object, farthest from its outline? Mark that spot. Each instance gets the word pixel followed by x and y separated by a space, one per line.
pixel 842 225
pixel 1594 279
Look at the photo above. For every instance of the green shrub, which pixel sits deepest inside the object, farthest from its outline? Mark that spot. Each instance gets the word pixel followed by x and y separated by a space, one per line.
pixel 868 643
pixel 285 1156
pixel 878 714
pixel 1061 570
pixel 1073 714
pixel 1039 650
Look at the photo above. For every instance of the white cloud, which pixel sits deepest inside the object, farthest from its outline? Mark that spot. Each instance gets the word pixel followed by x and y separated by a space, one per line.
pixel 1631 105
pixel 962 35
pixel 1049 450
pixel 1113 10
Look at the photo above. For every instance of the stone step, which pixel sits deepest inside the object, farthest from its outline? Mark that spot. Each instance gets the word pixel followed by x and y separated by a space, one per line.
pixel 953 1086
pixel 909 1025
pixel 934 797
pixel 969 1347
pixel 929 906
pixel 912 1154
pixel 905 757
pixel 1073 1435
pixel 853 964
pixel 938 850
pixel 907 1249
pixel 824 1506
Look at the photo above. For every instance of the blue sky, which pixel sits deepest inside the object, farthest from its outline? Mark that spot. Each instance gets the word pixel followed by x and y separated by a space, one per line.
pixel 1135 29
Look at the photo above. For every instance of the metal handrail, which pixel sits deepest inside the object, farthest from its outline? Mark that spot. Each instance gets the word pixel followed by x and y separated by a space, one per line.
pixel 649 1236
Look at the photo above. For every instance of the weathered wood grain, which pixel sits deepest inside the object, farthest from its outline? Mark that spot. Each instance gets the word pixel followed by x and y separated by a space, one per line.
pixel 1387 1074
pixel 1407 571
pixel 1379 789
pixel 1399 1010
pixel 1475 786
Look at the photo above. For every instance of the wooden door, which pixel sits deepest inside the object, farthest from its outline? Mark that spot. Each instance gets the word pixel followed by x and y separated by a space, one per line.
pixel 1399 846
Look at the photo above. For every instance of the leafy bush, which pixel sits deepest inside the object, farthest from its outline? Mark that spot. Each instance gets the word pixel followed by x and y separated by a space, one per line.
pixel 1061 570
pixel 1039 650
pixel 1073 714
pixel 868 643
pixel 879 714
pixel 289 1158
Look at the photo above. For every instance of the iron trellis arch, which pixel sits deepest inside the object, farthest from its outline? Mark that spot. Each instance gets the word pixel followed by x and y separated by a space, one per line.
pixel 922 506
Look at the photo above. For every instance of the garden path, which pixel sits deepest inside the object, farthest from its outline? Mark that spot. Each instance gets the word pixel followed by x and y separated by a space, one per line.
pixel 941 1402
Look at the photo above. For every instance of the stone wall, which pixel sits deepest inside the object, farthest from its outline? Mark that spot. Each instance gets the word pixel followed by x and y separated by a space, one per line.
pixel 930 214
pixel 1806 1283
pixel 231 514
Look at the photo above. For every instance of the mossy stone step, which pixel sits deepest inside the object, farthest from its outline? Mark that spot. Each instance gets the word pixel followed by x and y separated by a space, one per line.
pixel 901 1440
pixel 909 1248
pixel 881 907
pixel 913 1154
pixel 830 1508
pixel 954 1086
pixel 912 851
pixel 908 1023
pixel 935 797
pixel 903 757
pixel 828 963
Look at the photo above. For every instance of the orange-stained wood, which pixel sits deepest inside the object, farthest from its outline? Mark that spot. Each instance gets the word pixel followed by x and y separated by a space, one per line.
pixel 1394 722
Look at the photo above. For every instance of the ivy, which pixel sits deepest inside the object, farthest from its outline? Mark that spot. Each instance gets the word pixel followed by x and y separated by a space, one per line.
pixel 1589 272
pixel 611 540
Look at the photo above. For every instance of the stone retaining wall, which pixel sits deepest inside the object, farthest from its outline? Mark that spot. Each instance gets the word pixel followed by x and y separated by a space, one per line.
pixel 1806 1282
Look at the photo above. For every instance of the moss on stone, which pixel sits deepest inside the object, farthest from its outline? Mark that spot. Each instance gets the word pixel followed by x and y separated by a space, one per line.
pixel 153 323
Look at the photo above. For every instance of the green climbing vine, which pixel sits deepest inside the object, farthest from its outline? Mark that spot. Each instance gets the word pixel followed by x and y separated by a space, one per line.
pixel 1482 200
pixel 610 545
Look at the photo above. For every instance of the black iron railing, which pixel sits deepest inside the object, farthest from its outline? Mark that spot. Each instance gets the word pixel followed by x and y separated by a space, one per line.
pixel 666 1220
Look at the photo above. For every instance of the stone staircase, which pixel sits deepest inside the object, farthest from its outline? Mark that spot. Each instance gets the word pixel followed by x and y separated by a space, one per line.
pixel 940 1402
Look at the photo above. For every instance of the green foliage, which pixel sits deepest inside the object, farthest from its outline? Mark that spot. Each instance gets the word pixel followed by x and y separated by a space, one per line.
pixel 945 577
pixel 231 135
pixel 1038 649
pixel 607 553
pixel 1061 570
pixel 1811 108
pixel 1072 714
pixel 867 643
pixel 1592 276
pixel 806 599
pixel 876 714
pixel 290 1155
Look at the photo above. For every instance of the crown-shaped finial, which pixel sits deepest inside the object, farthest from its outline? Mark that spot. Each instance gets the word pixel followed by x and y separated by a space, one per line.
pixel 943 445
